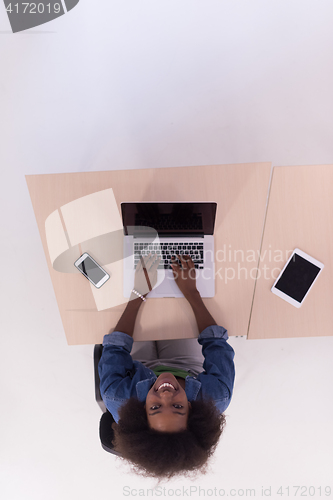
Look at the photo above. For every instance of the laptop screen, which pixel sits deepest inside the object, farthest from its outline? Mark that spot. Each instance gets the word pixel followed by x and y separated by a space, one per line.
pixel 170 219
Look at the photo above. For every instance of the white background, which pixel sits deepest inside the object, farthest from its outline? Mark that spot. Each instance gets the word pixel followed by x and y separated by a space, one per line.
pixel 140 84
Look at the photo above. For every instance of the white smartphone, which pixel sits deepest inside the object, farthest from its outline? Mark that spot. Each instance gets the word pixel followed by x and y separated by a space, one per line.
pixel 91 270
pixel 297 278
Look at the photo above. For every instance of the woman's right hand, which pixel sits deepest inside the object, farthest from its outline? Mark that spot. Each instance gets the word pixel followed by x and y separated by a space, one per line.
pixel 185 275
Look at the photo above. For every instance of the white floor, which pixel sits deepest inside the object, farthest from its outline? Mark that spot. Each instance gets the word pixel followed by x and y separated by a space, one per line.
pixel 143 84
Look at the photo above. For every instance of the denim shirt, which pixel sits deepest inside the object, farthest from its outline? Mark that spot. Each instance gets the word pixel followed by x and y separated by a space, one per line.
pixel 121 377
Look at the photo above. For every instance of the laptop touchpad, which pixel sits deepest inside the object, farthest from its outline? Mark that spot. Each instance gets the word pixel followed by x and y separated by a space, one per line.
pixel 168 286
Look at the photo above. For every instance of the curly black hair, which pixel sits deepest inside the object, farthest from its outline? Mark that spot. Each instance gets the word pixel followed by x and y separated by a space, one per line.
pixel 159 454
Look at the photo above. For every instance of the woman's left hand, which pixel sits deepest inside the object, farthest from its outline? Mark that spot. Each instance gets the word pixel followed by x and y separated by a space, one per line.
pixel 151 263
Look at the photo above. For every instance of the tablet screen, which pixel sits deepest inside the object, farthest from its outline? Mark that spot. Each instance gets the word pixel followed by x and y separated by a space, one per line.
pixel 297 277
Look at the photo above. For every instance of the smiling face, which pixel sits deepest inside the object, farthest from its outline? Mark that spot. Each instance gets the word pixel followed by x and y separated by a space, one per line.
pixel 167 405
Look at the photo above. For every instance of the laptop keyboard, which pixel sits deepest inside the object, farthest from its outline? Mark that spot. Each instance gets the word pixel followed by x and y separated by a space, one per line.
pixel 167 250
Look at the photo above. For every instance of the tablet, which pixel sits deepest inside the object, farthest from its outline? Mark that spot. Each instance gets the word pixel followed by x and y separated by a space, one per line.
pixel 297 278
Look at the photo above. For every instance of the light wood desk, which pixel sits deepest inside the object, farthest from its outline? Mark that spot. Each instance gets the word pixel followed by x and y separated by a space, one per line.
pixel 300 215
pixel 240 192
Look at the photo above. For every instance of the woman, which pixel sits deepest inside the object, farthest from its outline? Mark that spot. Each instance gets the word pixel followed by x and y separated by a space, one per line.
pixel 170 396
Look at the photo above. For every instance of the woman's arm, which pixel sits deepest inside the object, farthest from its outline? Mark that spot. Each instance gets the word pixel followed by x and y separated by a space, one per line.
pixel 127 320
pixel 145 279
pixel 201 313
pixel 185 277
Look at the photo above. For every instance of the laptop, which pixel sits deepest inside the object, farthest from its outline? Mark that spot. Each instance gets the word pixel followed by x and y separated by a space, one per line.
pixel 166 229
